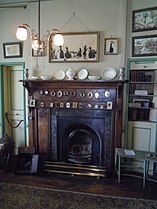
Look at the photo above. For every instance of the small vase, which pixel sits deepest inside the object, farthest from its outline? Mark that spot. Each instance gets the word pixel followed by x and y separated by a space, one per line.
pixel 26 74
pixel 121 74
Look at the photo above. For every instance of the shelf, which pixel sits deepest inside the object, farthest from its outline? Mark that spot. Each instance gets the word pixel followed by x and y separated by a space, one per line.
pixel 142 121
pixel 142 82
pixel 145 108
pixel 143 76
pixel 72 81
pixel 148 95
pixel 71 108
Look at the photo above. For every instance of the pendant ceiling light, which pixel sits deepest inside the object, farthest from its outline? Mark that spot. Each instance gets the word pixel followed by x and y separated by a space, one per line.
pixel 37 42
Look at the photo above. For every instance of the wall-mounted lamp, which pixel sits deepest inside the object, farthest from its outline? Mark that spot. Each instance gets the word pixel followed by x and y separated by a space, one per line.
pixel 37 42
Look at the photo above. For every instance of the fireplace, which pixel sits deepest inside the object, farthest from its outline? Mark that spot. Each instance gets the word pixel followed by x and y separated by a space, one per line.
pixel 75 123
pixel 82 136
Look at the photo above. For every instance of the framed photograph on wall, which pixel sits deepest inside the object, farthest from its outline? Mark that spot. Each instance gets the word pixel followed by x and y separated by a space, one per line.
pixel 39 52
pixel 77 47
pixel 144 19
pixel 111 46
pixel 12 49
pixel 144 46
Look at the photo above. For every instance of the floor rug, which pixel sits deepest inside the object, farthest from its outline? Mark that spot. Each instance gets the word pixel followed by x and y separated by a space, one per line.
pixel 15 196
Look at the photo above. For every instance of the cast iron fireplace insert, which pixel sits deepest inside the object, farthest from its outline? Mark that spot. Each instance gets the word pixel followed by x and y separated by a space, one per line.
pixel 82 136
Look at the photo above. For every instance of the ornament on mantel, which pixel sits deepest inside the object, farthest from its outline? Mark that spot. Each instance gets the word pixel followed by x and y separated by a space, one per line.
pixel 26 74
pixel 121 74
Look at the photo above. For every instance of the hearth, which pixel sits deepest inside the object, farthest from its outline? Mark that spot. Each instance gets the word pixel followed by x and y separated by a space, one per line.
pixel 75 123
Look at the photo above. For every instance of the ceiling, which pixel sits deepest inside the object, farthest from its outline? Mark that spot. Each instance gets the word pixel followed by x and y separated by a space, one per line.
pixel 13 1
pixel 4 4
pixel 7 2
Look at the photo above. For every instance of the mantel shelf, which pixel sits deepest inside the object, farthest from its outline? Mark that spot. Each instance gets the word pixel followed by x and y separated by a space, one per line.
pixel 74 81
pixel 30 84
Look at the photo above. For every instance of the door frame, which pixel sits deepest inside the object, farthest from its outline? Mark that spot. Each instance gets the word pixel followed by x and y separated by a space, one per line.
pixel 2 122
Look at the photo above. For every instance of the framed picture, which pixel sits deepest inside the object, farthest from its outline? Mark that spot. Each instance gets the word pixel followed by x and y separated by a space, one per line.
pixel 77 47
pixel 144 19
pixel 39 52
pixel 12 49
pixel 32 103
pixel 144 46
pixel 111 46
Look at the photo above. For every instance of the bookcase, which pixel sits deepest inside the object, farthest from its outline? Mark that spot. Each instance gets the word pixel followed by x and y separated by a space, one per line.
pixel 141 114
pixel 141 94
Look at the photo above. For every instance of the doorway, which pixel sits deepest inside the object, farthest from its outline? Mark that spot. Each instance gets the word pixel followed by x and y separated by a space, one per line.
pixel 12 103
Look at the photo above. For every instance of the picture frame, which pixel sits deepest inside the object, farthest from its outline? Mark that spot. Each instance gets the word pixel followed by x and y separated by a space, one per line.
pixel 12 49
pixel 39 52
pixel 111 46
pixel 144 45
pixel 144 19
pixel 77 47
pixel 32 103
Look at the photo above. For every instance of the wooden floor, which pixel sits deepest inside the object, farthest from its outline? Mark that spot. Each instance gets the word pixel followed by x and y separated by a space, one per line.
pixel 129 186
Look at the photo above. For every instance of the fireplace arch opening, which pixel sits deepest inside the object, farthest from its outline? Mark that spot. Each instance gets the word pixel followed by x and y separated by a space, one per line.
pixel 82 144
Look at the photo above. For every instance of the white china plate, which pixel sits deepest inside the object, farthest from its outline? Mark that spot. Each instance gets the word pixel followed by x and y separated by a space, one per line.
pixel 59 74
pixel 83 74
pixel 109 73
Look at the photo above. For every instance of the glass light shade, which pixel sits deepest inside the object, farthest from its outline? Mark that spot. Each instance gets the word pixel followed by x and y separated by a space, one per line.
pixel 21 33
pixel 58 39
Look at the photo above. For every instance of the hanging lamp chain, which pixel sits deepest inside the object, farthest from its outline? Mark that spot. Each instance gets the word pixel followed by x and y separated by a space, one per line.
pixel 39 19
pixel 74 15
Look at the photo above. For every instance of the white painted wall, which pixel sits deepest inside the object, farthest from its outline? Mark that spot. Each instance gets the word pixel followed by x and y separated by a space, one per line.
pixel 112 18
pixel 108 17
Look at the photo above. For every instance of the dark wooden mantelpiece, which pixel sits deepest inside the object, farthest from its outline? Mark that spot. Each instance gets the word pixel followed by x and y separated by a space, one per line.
pixel 72 83
pixel 45 96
